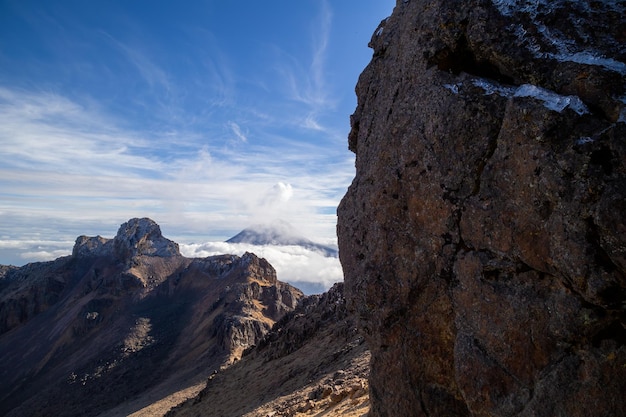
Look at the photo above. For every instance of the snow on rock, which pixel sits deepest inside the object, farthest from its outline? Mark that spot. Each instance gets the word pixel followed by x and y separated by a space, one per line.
pixel 551 100
pixel 453 87
pixel 553 43
pixel 590 58
pixel 492 88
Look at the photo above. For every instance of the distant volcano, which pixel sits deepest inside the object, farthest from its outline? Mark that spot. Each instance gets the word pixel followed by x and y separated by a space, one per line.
pixel 279 233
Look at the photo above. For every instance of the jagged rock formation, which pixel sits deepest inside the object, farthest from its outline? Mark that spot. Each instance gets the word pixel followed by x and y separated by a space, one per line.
pixel 313 362
pixel 483 239
pixel 125 322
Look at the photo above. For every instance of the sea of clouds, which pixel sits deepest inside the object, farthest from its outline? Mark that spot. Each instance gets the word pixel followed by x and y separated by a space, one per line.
pixel 306 269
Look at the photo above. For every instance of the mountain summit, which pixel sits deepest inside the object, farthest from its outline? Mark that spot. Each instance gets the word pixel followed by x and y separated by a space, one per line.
pixel 279 233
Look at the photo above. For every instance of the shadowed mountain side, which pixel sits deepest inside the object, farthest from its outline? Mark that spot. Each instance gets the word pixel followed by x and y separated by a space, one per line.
pixel 127 320
pixel 312 362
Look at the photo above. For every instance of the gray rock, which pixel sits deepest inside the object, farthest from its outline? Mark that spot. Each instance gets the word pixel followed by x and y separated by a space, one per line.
pixel 143 237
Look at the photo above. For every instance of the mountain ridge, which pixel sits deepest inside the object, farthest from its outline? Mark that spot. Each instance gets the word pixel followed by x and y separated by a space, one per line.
pixel 121 317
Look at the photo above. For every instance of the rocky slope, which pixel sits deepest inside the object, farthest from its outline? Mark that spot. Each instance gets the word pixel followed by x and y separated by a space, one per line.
pixel 127 322
pixel 483 238
pixel 313 363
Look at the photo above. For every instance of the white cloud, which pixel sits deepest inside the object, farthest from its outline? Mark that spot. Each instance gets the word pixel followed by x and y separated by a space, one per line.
pixel 294 264
pixel 18 252
pixel 278 194
pixel 236 129
pixel 205 147
pixel 149 71
pixel 44 255
pixel 68 168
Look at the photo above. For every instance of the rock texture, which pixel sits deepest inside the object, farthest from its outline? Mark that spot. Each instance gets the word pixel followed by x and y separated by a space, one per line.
pixel 126 322
pixel 483 238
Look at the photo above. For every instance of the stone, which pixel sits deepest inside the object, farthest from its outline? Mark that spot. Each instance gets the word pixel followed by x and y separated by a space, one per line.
pixel 143 237
pixel 91 246
pixel 483 239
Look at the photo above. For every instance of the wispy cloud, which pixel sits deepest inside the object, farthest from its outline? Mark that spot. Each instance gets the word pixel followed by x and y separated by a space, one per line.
pixel 65 163
pixel 305 79
pixel 236 129
pixel 321 33
pixel 152 74
pixel 187 132
pixel 44 130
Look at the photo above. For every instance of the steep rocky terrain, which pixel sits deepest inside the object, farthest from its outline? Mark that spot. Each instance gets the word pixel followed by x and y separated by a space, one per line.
pixel 126 323
pixel 313 363
pixel 483 238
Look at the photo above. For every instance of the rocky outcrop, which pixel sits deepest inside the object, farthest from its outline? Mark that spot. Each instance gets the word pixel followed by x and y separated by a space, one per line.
pixel 86 246
pixel 142 237
pixel 127 318
pixel 314 313
pixel 133 259
pixel 483 239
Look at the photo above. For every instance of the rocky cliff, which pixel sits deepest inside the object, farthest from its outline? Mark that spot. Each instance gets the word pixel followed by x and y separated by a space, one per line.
pixel 127 322
pixel 483 238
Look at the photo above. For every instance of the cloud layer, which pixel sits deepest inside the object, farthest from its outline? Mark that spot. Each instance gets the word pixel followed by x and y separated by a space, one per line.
pixel 306 269
pixel 206 118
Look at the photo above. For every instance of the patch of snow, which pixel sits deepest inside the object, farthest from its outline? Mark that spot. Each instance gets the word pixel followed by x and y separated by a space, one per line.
pixel 622 113
pixel 453 87
pixel 622 116
pixel 552 100
pixel 379 31
pixel 567 50
pixel 491 88
pixel 508 7
pixel 589 58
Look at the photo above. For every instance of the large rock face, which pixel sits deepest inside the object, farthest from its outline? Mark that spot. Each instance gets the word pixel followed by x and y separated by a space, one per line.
pixel 484 238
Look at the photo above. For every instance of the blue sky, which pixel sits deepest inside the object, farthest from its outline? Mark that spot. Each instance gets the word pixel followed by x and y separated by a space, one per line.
pixel 206 116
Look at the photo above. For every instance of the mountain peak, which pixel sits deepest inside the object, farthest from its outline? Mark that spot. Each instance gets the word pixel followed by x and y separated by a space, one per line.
pixel 136 237
pixel 104 322
pixel 279 233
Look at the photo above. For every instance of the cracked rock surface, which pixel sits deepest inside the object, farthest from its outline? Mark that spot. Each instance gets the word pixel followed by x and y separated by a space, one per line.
pixel 483 239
